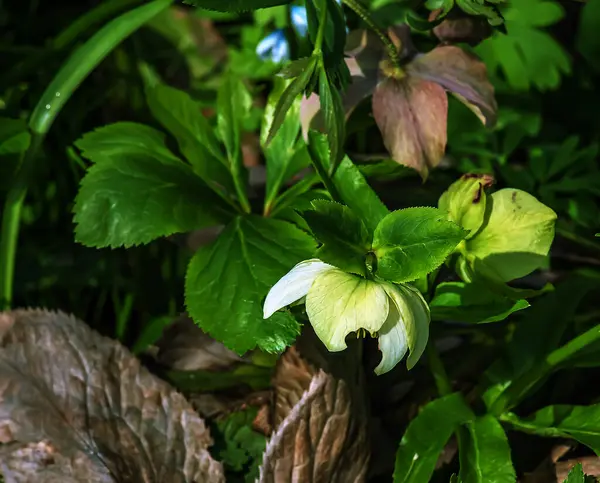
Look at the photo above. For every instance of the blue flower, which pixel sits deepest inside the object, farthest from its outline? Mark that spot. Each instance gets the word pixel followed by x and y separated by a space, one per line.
pixel 274 47
pixel 299 20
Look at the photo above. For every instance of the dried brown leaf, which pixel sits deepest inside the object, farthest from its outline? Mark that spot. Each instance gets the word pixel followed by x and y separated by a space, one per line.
pixel 185 347
pixel 412 116
pixel 320 435
pixel 88 397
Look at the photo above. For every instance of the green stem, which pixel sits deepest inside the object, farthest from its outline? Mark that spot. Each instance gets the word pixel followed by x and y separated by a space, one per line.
pixel 324 175
pixel 123 315
pixel 321 33
pixel 81 63
pixel 442 382
pixel 574 237
pixel 241 193
pixel 363 13
pixel 571 348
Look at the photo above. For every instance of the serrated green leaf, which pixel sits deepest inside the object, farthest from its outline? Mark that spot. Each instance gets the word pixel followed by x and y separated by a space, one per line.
pixel 335 121
pixel 412 242
pixel 296 87
pixel 426 437
pixel 471 303
pixel 226 282
pixel 444 5
pixel 576 475
pixel 351 185
pixel 345 238
pixel 486 458
pixel 181 116
pixel 138 190
pixel 235 5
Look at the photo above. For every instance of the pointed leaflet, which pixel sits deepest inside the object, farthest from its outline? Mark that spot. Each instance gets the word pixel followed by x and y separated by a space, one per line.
pixel 486 457
pixel 94 403
pixel 285 156
pixel 233 107
pixel 288 97
pixel 138 190
pixel 426 437
pixel 516 238
pixel 351 185
pixel 182 117
pixel 412 115
pixel 227 282
pixel 562 421
pixel 335 125
pixel 235 5
pixel 462 74
pixel 471 303
pixel 412 242
pixel 345 238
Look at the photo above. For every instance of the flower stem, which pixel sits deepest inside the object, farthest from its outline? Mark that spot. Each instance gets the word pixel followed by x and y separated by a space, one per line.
pixel 363 13
pixel 438 371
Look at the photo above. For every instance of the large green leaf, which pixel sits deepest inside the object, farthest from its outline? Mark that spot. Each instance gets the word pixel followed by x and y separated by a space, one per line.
pixel 235 5
pixel 412 242
pixel 563 421
pixel 138 190
pixel 227 282
pixel 285 154
pixel 486 457
pixel 182 117
pixel 345 238
pixel 426 437
pixel 471 303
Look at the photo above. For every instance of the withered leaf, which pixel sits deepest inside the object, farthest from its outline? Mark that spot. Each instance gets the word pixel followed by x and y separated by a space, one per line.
pixel 89 398
pixel 411 114
pixel 323 439
pixel 461 73
pixel 185 347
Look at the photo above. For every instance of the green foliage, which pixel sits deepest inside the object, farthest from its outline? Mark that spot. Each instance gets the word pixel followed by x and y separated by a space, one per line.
pixel 234 274
pixel 527 55
pixel 14 141
pixel 137 190
pixel 486 457
pixel 345 239
pixel 243 446
pixel 576 475
pixel 472 303
pixel 412 242
pixel 587 35
pixel 427 435
pixel 235 5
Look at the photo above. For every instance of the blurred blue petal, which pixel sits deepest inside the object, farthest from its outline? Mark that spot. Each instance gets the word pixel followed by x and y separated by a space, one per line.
pixel 299 20
pixel 274 47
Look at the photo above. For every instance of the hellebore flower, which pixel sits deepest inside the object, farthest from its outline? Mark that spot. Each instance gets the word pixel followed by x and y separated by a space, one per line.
pixel 274 47
pixel 409 102
pixel 338 303
pixel 510 230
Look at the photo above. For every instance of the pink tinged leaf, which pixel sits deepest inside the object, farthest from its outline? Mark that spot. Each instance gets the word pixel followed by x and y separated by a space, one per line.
pixel 462 74
pixel 412 117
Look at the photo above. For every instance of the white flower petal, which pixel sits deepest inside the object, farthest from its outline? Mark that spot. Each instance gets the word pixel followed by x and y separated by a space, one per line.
pixel 393 341
pixel 339 303
pixel 407 327
pixel 294 285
